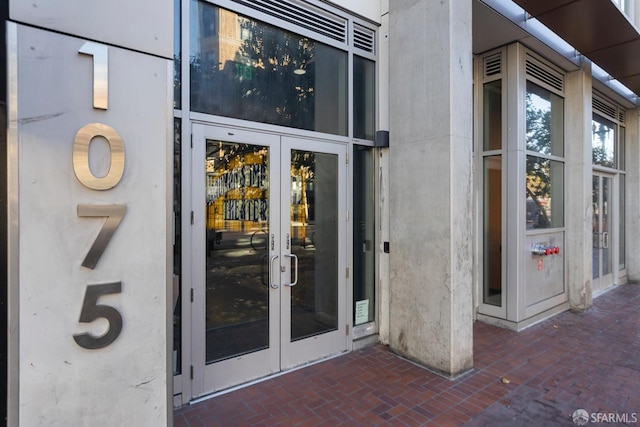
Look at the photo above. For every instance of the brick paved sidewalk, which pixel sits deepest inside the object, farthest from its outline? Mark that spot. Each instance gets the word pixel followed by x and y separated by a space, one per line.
pixel 537 377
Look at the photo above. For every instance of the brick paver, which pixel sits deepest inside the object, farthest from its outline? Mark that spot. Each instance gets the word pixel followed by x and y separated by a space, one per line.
pixel 537 377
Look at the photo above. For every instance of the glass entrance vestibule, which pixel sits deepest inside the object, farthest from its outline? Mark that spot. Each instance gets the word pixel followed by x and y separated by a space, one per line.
pixel 274 190
pixel 529 212
pixel 608 152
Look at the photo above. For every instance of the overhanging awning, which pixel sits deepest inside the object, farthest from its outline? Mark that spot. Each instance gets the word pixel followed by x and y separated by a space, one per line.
pixel 598 30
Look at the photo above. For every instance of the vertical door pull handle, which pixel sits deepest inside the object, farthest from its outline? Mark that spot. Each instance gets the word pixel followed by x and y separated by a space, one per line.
pixel 295 269
pixel 271 283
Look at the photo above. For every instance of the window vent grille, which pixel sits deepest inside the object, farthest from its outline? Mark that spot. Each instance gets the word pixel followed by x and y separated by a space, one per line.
pixel 364 38
pixel 544 74
pixel 604 108
pixel 493 65
pixel 621 116
pixel 303 15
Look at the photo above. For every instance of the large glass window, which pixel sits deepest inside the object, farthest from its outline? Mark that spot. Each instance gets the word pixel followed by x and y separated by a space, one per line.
pixel 492 216
pixel 622 232
pixel 177 74
pixel 545 174
pixel 364 83
pixel 246 69
pixel 603 142
pixel 363 235
pixel 545 121
pixel 177 245
pixel 622 149
pixel 545 193
pixel 492 193
pixel 492 126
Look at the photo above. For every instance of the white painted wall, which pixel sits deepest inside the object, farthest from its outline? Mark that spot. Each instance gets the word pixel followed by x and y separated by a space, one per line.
pixel 370 9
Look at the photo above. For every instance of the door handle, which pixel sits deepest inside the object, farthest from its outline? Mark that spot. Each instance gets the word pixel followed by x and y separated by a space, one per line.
pixel 271 283
pixel 295 269
pixel 605 240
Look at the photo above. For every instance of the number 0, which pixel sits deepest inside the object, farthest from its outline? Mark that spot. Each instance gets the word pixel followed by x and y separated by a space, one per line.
pixel 81 156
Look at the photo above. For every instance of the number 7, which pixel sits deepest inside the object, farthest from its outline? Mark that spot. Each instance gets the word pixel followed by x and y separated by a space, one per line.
pixel 114 214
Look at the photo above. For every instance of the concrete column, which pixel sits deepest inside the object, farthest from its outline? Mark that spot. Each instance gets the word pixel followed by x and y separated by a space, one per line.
pixel 633 195
pixel 579 188
pixel 383 176
pixel 431 306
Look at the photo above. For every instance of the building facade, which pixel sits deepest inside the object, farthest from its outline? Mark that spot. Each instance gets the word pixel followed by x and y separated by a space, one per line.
pixel 261 185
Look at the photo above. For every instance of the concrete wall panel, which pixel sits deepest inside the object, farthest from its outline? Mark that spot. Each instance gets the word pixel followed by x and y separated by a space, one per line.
pixel 143 25
pixel 431 307
pixel 127 381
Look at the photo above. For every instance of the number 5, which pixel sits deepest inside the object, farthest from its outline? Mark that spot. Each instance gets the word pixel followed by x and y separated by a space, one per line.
pixel 92 311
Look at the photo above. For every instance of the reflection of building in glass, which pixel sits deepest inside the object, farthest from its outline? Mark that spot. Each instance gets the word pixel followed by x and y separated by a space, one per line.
pixel 236 187
pixel 247 69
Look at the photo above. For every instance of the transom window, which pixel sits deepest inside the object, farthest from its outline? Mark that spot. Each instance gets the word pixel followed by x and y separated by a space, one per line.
pixel 251 70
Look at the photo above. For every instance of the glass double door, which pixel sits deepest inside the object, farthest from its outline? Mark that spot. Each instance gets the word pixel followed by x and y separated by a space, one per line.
pixel 269 254
pixel 602 231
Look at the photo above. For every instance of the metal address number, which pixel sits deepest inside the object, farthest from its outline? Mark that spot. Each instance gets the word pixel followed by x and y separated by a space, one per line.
pixel 91 310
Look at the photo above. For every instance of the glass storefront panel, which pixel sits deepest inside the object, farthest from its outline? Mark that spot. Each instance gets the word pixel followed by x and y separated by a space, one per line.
pixel 545 193
pixel 595 219
pixel 622 228
pixel 492 234
pixel 364 83
pixel 363 235
pixel 246 69
pixel 237 271
pixel 622 149
pixel 544 121
pixel 314 242
pixel 603 236
pixel 177 51
pixel 492 112
pixel 177 244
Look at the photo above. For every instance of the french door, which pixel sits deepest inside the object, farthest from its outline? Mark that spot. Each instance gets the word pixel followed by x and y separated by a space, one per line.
pixel 602 231
pixel 268 255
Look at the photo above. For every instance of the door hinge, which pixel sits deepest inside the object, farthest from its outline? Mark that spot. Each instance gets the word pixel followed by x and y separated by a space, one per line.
pixel 192 218
pixel 347 215
pixel 191 373
pixel 347 159
pixel 347 330
pixel 191 294
pixel 347 272
pixel 191 140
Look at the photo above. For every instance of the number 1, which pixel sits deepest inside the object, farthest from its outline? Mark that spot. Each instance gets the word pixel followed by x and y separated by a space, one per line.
pixel 100 54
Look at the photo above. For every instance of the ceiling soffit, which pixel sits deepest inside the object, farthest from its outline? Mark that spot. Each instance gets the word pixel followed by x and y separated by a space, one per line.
pixel 598 30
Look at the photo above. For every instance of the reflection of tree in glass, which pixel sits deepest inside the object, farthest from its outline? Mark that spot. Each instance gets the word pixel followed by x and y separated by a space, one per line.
pixel 538 192
pixel 254 72
pixel 538 138
pixel 303 172
pixel 177 81
pixel 538 126
pixel 281 88
pixel 599 153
